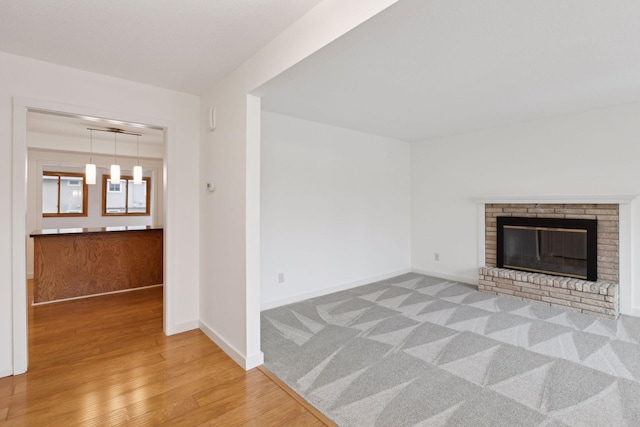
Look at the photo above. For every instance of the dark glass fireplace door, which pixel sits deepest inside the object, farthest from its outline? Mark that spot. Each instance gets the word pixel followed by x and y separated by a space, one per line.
pixel 557 246
pixel 546 250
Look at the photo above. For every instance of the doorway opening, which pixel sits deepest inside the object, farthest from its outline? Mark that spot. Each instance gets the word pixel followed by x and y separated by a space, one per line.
pixel 65 130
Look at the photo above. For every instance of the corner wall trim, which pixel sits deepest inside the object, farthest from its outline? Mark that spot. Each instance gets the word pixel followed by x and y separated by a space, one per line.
pixel 336 288
pixel 245 362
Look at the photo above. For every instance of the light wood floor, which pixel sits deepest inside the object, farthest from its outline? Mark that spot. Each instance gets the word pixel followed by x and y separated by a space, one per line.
pixel 105 361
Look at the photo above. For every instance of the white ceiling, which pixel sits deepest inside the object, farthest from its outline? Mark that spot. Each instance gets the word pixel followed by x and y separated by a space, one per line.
pixel 185 45
pixel 422 69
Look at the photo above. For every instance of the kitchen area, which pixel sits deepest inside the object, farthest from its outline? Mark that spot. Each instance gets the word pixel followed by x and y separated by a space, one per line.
pixel 95 206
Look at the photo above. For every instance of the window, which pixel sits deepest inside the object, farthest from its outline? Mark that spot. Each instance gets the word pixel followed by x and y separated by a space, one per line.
pixel 63 194
pixel 114 187
pixel 125 197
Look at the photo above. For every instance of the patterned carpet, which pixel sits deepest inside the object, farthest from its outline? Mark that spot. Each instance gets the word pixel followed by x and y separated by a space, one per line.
pixel 421 351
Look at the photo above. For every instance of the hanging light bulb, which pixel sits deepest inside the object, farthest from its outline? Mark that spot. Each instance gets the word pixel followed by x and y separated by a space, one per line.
pixel 90 168
pixel 90 173
pixel 115 174
pixel 115 168
pixel 137 174
pixel 137 170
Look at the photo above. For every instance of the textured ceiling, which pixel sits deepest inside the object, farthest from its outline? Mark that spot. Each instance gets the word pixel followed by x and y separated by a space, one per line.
pixel 185 45
pixel 422 69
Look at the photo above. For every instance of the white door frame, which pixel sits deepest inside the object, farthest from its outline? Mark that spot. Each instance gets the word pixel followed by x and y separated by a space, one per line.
pixel 19 213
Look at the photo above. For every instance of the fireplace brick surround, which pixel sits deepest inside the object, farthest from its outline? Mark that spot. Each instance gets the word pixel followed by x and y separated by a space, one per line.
pixel 598 298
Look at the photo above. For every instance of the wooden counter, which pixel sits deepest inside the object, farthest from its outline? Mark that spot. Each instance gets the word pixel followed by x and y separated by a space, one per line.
pixel 76 262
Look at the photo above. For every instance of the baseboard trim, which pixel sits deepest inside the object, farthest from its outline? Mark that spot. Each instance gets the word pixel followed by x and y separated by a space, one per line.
pixel 254 361
pixel 6 373
pixel 179 328
pixel 29 276
pixel 325 291
pixel 245 362
pixel 446 276
pixel 96 295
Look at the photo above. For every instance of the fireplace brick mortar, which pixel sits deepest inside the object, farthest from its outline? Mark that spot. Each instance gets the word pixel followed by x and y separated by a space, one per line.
pixel 598 298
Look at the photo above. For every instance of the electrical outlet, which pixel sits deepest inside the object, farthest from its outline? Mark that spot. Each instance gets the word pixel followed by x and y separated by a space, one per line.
pixel 280 277
pixel 436 256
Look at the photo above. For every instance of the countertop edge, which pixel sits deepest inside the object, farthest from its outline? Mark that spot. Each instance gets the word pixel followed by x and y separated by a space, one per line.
pixel 94 230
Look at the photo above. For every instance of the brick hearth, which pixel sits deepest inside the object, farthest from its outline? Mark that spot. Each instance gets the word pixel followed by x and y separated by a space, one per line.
pixel 599 298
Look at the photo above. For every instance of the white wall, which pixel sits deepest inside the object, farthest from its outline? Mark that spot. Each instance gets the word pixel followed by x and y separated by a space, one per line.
pixel 230 157
pixel 26 81
pixel 593 153
pixel 335 208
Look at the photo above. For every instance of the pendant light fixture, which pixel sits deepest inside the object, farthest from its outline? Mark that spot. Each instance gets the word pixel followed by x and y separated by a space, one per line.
pixel 115 167
pixel 137 170
pixel 90 168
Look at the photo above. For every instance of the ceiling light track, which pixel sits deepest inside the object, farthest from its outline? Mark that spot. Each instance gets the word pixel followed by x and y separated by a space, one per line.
pixel 93 119
pixel 116 130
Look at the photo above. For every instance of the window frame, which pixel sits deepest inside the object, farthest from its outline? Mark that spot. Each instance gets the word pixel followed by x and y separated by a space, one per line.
pixel 85 195
pixel 126 178
pixel 119 190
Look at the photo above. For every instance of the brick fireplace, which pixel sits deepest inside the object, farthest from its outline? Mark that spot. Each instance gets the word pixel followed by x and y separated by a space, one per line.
pixel 598 297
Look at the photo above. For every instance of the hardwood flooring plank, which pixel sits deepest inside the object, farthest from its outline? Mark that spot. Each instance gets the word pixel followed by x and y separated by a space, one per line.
pixel 147 382
pixel 228 366
pixel 154 411
pixel 304 420
pixel 8 386
pixel 234 393
pixel 189 338
pixel 285 411
pixel 113 418
pixel 190 352
pixel 211 415
pixel 45 382
pixel 105 361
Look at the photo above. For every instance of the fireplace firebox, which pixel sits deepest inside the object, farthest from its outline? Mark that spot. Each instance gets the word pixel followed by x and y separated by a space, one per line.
pixel 558 246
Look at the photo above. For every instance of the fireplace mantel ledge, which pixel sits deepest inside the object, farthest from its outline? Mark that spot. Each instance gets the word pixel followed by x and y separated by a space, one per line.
pixel 584 199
